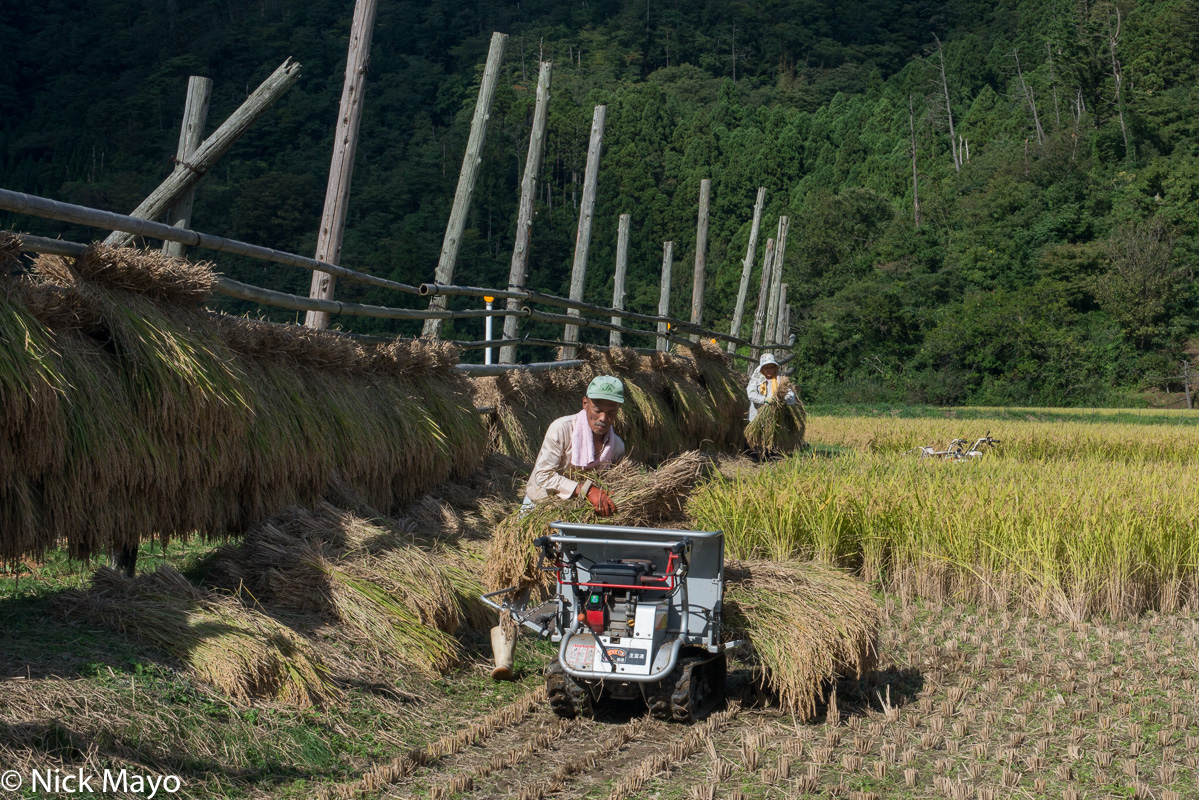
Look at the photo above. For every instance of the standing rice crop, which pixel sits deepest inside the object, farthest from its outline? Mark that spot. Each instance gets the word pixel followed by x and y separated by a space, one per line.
pixel 1072 538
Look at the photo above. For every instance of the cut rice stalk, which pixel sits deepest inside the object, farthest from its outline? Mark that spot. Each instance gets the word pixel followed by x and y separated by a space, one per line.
pixel 642 497
pixel 399 599
pixel 244 654
pixel 778 427
pixel 809 624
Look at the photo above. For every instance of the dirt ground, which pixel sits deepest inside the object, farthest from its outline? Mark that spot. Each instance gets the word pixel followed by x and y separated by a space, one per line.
pixel 965 705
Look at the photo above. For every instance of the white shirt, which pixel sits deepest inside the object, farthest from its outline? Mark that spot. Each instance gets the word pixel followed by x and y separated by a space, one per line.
pixel 554 458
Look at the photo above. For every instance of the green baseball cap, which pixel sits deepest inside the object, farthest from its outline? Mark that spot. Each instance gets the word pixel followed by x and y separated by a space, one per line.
pixel 606 387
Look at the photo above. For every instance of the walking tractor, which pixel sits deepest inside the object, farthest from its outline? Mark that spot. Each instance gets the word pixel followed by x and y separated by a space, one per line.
pixel 636 614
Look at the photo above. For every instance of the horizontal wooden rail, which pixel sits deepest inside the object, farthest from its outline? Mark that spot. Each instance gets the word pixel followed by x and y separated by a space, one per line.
pixel 584 322
pixel 489 370
pixel 256 294
pixel 533 296
pixel 108 220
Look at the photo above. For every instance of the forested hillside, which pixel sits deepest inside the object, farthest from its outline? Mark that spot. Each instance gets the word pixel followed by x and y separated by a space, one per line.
pixel 1049 260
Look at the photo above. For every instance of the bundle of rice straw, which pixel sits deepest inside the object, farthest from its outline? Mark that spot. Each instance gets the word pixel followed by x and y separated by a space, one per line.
pixel 726 388
pixel 395 596
pixel 809 624
pixel 642 497
pixel 674 402
pixel 128 411
pixel 778 427
pixel 244 654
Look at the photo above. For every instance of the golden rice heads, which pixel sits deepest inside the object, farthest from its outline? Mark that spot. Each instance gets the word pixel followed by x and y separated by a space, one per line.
pixel 148 272
pixel 297 344
pixel 808 623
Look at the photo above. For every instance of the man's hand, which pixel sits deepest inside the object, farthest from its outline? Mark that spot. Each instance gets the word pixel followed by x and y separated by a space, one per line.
pixel 601 501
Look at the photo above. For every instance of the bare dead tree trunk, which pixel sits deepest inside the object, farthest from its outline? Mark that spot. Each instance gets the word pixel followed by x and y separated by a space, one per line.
pixel 471 160
pixel 701 255
pixel 662 343
pixel 953 141
pixel 1031 98
pixel 578 274
pixel 915 173
pixel 776 280
pixel 1113 39
pixel 1186 383
pixel 747 267
pixel 212 148
pixel 1057 114
pixel 195 115
pixel 622 267
pixel 764 293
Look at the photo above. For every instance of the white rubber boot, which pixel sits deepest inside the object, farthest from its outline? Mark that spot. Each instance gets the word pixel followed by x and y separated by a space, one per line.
pixel 503 648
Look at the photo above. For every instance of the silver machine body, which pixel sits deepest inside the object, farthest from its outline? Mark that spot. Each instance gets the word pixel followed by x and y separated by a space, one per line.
pixel 677 604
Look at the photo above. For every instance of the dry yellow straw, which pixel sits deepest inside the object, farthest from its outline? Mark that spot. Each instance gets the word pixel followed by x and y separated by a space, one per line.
pixel 244 654
pixel 778 427
pixel 809 624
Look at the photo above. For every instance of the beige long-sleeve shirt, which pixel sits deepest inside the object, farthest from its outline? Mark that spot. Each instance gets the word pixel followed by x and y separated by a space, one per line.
pixel 549 471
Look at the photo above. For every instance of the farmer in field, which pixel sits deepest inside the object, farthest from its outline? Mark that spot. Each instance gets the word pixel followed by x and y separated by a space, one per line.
pixel 764 384
pixel 577 442
pixel 582 441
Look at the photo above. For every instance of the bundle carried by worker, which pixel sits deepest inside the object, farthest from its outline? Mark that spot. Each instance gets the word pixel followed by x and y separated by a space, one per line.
pixel 640 496
pixel 778 424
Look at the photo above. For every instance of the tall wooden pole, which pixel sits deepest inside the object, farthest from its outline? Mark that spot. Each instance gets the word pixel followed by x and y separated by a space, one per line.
pixel 701 255
pixel 781 324
pixel 764 293
pixel 747 267
pixel 622 266
pixel 215 146
pixel 195 115
pixel 469 173
pixel 664 296
pixel 524 217
pixel 776 282
pixel 341 168
pixel 578 273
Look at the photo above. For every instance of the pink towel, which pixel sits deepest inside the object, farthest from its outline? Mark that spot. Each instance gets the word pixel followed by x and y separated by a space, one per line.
pixel 582 444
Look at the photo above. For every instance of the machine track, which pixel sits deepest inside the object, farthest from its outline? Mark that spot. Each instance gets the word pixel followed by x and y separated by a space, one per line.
pixel 567 697
pixel 698 686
